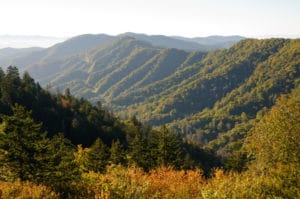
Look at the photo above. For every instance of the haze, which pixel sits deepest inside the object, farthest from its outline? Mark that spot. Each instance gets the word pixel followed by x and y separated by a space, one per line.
pixel 189 18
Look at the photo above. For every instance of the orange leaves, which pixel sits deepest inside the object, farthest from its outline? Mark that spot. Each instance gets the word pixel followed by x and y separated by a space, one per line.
pixel 65 102
pixel 133 182
pixel 172 183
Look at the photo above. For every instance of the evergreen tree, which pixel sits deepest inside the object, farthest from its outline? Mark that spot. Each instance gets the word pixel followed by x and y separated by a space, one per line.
pixel 139 151
pixel 10 86
pixel 170 149
pixel 97 156
pixel 28 154
pixel 117 153
pixel 61 165
pixel 22 144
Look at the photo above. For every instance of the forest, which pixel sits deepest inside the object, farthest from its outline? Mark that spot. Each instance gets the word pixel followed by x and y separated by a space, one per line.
pixel 58 146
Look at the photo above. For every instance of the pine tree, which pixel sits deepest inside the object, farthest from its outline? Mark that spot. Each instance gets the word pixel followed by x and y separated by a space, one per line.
pixel 170 149
pixel 97 156
pixel 22 144
pixel 117 153
pixel 28 154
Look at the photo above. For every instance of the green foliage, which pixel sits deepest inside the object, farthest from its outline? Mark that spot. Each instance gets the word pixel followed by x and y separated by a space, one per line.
pixel 170 150
pixel 275 139
pixel 27 154
pixel 23 145
pixel 117 153
pixel 97 157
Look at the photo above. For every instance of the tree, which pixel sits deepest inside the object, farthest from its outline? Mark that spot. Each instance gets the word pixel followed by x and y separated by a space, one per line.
pixel 139 151
pixel 117 153
pixel 10 86
pixel 170 148
pixel 61 165
pixel 97 156
pixel 275 139
pixel 22 144
pixel 28 154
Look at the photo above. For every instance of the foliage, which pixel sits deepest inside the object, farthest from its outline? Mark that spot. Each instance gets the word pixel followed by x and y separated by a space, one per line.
pixel 23 145
pixel 119 182
pixel 25 190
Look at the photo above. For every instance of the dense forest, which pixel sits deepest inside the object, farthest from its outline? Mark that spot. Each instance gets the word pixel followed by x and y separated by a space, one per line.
pixel 123 118
pixel 44 137
pixel 212 99
pixel 129 160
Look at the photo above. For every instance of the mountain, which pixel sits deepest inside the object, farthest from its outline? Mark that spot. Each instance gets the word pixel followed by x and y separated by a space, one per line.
pixel 62 50
pixel 212 98
pixel 189 44
pixel 241 104
pixel 214 42
pixel 168 42
pixel 9 54
pixel 83 43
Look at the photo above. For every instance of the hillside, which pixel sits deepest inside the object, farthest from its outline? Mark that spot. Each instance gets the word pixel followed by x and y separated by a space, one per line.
pixel 199 94
pixel 7 55
pixel 212 98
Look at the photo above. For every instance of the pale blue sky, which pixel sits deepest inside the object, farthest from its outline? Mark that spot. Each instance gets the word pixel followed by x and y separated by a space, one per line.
pixel 190 18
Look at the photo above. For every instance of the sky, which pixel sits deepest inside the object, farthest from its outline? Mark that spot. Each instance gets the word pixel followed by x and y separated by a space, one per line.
pixel 189 18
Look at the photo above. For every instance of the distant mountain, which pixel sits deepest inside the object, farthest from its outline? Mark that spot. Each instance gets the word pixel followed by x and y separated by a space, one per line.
pixel 168 42
pixel 7 55
pixel 214 42
pixel 81 44
pixel 12 52
pixel 62 50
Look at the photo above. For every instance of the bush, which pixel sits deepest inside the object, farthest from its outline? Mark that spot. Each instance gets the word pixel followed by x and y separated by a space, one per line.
pixel 24 190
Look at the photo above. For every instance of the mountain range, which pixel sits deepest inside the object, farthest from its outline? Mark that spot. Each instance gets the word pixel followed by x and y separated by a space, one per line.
pixel 213 97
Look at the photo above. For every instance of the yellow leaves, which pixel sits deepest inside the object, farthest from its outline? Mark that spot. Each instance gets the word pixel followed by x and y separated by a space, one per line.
pixel 219 174
pixel 25 190
pixel 127 183
pixel 133 182
pixel 80 157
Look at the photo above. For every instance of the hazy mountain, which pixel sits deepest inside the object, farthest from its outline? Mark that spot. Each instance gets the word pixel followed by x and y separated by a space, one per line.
pixel 214 42
pixel 83 43
pixel 62 50
pixel 189 44
pixel 7 55
pixel 168 42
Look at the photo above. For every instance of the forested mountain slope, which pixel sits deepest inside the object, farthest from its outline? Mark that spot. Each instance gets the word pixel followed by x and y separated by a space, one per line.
pixel 23 103
pixel 212 98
